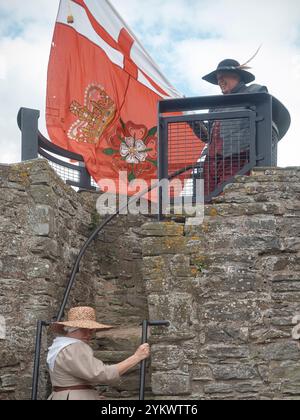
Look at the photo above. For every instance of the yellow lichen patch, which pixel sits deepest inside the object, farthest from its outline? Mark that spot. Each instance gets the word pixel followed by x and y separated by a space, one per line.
pixel 20 177
pixel 200 259
pixel 196 238
pixel 194 271
pixel 205 227
pixel 25 179
pixel 213 212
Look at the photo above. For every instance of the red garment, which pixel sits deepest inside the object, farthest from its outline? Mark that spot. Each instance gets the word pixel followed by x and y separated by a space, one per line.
pixel 218 170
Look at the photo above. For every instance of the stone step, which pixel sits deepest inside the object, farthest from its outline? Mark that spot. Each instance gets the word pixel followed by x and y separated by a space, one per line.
pixel 264 185
pixel 238 194
pixel 230 209
pixel 289 171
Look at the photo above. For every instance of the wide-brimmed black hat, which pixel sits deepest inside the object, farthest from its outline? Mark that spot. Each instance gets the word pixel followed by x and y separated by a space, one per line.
pixel 230 65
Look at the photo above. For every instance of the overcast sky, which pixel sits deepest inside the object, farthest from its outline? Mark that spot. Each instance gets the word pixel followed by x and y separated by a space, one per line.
pixel 186 37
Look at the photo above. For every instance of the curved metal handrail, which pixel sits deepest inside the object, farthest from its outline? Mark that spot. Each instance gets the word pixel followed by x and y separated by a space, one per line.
pixel 53 148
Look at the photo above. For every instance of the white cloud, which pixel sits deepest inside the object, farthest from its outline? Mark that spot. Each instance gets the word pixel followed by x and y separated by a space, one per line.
pixel 26 33
pixel 3 67
pixel 187 37
pixel 227 29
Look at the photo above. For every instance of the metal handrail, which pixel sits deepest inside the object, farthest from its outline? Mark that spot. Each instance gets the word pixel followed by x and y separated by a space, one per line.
pixel 35 144
pixel 53 148
pixel 75 271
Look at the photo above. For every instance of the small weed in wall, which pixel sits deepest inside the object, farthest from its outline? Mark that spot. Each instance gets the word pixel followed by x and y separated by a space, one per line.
pixel 95 220
pixel 201 267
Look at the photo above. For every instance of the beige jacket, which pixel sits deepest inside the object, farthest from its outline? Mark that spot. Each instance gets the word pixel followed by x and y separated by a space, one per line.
pixel 76 365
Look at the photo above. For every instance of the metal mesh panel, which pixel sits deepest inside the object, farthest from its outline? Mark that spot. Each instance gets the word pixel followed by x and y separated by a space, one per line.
pixel 217 149
pixel 94 184
pixel 64 173
pixel 184 149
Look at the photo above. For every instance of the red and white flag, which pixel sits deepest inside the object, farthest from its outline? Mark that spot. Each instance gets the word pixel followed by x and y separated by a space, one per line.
pixel 102 92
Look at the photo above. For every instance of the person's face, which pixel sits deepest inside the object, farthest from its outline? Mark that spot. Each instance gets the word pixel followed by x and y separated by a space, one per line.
pixel 83 335
pixel 228 81
pixel 87 335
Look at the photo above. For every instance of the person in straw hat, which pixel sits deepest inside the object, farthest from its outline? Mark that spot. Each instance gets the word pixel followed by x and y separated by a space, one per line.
pixel 74 371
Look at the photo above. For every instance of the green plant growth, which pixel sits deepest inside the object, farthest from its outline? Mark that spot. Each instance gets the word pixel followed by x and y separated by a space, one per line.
pixel 95 220
pixel 201 266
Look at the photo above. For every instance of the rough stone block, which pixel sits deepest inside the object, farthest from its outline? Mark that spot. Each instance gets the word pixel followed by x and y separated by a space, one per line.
pixel 40 269
pixel 223 353
pixel 162 229
pixel 180 266
pixel 232 310
pixel 218 388
pixel 282 351
pixel 8 382
pixel 202 372
pixel 8 357
pixel 175 307
pixel 171 383
pixel 164 358
pixel 155 273
pixel 226 334
pixel 164 246
pixel 44 247
pixel 234 372
pixel 264 336
pixel 43 194
pixel 41 220
pixel 2 328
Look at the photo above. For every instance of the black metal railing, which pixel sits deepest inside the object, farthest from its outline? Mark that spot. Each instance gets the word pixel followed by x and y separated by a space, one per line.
pixel 41 325
pixel 35 145
pixel 236 134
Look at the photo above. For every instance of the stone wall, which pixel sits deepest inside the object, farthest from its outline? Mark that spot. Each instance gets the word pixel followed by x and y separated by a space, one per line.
pixel 230 288
pixel 43 225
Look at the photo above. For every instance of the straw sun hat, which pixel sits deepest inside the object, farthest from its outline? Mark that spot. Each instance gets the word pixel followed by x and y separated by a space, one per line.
pixel 81 317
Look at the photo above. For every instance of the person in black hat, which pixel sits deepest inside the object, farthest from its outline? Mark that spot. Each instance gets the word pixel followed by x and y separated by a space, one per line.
pixel 229 140
pixel 229 146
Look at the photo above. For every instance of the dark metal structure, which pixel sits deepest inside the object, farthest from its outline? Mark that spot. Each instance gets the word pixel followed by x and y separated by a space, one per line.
pixel 145 326
pixel 241 132
pixel 35 145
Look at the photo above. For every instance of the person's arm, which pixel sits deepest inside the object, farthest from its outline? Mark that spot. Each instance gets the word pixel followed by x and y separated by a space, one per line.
pixel 142 353
pixel 200 130
pixel 78 360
